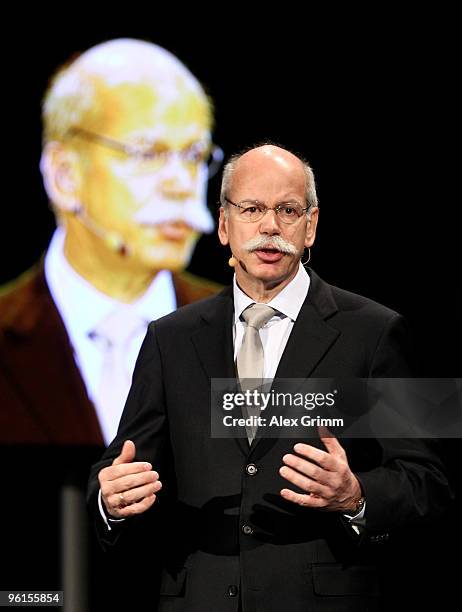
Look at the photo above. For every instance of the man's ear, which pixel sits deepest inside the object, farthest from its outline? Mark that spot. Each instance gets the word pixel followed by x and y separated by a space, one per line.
pixel 311 227
pixel 223 227
pixel 61 176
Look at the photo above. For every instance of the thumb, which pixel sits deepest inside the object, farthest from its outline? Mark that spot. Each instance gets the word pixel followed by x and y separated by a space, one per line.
pixel 127 454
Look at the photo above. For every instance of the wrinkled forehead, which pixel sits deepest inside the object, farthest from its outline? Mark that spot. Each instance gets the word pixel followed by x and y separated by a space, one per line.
pixel 137 86
pixel 134 107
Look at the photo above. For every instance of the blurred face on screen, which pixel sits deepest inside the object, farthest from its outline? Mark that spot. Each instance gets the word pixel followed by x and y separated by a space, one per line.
pixel 151 194
pixel 128 136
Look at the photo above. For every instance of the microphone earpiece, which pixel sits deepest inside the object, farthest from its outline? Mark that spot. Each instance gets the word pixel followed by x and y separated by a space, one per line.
pixel 115 243
pixel 232 262
pixel 113 240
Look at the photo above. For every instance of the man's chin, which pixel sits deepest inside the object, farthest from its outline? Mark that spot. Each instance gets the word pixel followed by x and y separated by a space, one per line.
pixel 166 256
pixel 174 265
pixel 160 258
pixel 271 273
pixel 261 267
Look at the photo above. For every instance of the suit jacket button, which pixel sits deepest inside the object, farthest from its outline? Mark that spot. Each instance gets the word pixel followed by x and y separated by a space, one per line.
pixel 247 530
pixel 232 590
pixel 251 469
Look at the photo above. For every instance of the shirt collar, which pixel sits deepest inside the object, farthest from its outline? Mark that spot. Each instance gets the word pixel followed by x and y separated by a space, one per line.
pixel 82 306
pixel 288 302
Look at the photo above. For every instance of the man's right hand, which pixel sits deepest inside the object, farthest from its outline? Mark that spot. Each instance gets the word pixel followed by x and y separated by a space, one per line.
pixel 128 487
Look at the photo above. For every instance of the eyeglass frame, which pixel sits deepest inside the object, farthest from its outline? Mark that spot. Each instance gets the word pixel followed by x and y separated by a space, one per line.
pixel 216 152
pixel 267 208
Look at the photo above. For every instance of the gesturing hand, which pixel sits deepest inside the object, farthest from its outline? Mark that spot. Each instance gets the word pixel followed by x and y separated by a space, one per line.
pixel 325 477
pixel 128 487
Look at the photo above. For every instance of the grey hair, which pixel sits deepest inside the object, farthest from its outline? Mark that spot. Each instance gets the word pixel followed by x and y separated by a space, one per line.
pixel 230 166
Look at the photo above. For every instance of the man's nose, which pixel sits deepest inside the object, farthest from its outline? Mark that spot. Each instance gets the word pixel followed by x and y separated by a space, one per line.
pixel 269 223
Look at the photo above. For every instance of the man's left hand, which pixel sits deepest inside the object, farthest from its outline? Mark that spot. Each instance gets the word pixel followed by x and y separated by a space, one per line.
pixel 325 477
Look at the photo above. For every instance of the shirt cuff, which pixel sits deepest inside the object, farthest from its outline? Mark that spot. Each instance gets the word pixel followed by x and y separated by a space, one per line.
pixel 357 521
pixel 106 519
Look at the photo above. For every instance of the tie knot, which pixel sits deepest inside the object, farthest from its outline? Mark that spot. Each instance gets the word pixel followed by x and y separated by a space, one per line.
pixel 257 315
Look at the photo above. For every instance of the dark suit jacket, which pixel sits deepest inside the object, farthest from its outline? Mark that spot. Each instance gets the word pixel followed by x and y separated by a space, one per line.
pixel 294 558
pixel 43 396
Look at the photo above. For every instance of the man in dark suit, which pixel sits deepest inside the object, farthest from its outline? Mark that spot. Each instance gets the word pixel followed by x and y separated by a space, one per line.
pixel 266 524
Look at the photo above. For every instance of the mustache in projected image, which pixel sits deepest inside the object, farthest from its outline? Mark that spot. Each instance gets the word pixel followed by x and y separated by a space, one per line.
pixel 193 213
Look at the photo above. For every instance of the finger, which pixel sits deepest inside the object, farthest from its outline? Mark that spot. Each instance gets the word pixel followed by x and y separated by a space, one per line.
pixel 125 483
pixel 134 480
pixel 309 501
pixel 302 482
pixel 113 472
pixel 127 454
pixel 133 495
pixel 331 443
pixel 137 508
pixel 308 468
pixel 315 454
pixel 324 432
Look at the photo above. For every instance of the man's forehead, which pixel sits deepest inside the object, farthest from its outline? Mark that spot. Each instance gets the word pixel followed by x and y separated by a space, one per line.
pixel 264 166
pixel 142 112
pixel 270 156
pixel 165 94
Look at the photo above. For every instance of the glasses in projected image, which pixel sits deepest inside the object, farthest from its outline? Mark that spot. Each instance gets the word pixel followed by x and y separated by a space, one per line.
pixel 155 155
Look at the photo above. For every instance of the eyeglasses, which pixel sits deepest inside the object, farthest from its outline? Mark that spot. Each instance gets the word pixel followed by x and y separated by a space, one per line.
pixel 253 210
pixel 194 155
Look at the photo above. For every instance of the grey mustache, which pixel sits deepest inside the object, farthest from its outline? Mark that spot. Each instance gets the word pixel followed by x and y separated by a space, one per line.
pixel 270 242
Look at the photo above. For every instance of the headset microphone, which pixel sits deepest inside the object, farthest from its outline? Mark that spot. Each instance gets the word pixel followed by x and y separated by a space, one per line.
pixel 112 239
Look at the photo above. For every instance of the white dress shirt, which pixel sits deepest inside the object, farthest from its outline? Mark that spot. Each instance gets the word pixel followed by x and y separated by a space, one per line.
pixel 82 308
pixel 287 303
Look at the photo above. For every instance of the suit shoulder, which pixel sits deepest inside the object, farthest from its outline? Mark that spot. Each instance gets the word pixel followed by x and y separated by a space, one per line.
pixel 190 288
pixel 17 297
pixel 365 307
pixel 331 301
pixel 188 316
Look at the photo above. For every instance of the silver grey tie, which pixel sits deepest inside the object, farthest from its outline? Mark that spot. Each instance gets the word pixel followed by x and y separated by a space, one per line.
pixel 250 359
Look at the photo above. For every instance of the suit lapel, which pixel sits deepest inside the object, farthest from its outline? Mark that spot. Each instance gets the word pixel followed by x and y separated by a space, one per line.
pixel 214 338
pixel 214 345
pixel 43 372
pixel 309 341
